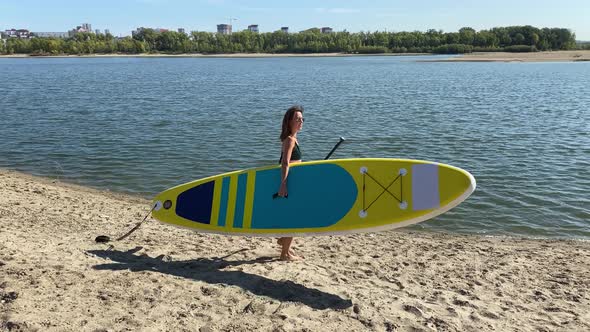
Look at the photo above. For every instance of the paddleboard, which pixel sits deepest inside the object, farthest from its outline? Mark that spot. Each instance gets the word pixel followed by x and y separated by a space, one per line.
pixel 328 197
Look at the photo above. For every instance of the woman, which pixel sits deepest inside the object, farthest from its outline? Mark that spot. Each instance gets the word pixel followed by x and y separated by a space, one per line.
pixel 290 153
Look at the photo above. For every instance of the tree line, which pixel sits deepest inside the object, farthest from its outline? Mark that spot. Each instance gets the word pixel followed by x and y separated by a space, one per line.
pixel 466 40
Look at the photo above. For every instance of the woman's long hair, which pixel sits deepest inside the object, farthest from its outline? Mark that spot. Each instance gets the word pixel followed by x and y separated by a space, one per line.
pixel 289 115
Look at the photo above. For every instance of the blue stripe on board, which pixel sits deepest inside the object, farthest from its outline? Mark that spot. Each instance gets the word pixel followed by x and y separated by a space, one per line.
pixel 240 200
pixel 223 202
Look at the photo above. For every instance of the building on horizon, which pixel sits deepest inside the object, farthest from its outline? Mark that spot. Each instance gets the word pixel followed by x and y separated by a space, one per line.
pixel 253 28
pixel 50 34
pixel 181 30
pixel 97 31
pixel 224 29
pixel 107 31
pixel 285 29
pixel 17 33
pixel 136 31
pixel 85 27
pixel 141 29
pixel 326 30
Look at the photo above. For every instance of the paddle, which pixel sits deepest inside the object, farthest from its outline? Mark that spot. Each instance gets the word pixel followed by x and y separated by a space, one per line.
pixel 334 148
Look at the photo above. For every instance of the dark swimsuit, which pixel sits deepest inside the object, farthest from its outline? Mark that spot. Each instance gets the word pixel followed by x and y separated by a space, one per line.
pixel 295 154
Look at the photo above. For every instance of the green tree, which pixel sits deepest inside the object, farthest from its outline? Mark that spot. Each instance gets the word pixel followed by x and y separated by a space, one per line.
pixel 18 46
pixel 148 36
pixel 519 39
pixel 535 38
pixel 170 41
pixel 466 36
pixel 452 38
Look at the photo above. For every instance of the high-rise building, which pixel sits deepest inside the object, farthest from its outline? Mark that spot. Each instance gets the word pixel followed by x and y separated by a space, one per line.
pixel 326 30
pixel 253 28
pixel 136 31
pixel 224 29
pixel 85 27
pixel 285 29
pixel 181 30
pixel 107 31
pixel 97 31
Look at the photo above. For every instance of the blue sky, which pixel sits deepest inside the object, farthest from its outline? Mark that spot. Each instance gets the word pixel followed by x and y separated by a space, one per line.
pixel 122 16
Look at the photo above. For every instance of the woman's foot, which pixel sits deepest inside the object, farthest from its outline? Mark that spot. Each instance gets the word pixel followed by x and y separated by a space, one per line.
pixel 290 257
pixel 287 254
pixel 280 242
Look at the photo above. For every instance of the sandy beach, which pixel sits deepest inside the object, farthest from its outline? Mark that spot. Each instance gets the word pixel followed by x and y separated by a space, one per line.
pixel 54 277
pixel 198 55
pixel 554 56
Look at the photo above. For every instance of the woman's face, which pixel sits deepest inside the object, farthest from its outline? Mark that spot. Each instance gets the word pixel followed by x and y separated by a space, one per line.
pixel 297 122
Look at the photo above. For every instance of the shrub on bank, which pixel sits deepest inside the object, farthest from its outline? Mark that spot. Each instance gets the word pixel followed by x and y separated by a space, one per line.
pixel 453 49
pixel 520 49
pixel 372 49
pixel 488 49
pixel 399 50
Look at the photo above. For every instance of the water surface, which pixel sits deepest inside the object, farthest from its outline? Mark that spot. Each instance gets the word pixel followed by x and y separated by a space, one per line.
pixel 141 125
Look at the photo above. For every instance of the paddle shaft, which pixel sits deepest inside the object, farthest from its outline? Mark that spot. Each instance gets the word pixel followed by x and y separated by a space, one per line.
pixel 334 148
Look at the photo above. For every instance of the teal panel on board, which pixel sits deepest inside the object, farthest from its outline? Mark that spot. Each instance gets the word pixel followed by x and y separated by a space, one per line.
pixel 319 196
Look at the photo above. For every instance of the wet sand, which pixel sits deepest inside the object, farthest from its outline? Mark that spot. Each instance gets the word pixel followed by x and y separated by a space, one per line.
pixel 54 277
pixel 554 56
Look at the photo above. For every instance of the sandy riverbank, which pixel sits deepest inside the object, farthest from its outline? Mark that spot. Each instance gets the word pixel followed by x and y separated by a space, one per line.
pixel 54 277
pixel 556 56
pixel 193 55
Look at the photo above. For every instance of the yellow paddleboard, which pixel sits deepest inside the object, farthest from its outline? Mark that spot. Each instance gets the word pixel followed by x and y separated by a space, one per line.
pixel 326 197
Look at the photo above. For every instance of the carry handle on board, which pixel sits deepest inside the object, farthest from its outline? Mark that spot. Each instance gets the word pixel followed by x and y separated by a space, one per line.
pixel 275 195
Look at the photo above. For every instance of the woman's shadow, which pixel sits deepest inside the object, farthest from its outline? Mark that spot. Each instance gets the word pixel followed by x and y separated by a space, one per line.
pixel 210 270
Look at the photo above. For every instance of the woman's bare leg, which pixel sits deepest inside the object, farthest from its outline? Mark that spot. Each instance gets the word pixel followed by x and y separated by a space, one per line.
pixel 286 253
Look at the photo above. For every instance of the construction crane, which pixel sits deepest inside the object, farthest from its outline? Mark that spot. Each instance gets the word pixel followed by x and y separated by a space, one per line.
pixel 231 20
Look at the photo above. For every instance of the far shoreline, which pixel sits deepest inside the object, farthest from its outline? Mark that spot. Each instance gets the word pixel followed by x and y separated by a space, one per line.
pixel 201 55
pixel 547 56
